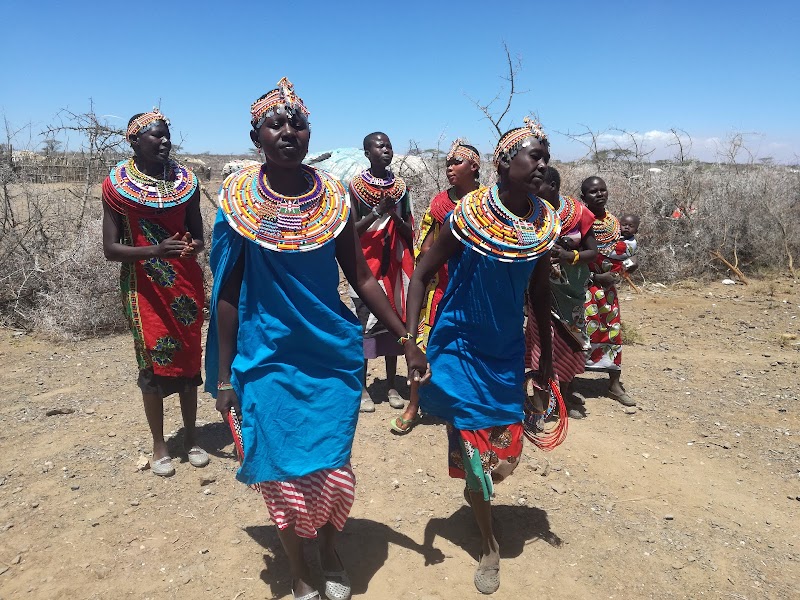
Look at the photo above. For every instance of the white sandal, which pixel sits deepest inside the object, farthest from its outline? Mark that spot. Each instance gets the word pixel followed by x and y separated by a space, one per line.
pixel 197 457
pixel 163 467
pixel 310 596
pixel 337 583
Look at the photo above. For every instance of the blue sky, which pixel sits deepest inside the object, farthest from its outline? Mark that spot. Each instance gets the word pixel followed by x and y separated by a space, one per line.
pixel 709 68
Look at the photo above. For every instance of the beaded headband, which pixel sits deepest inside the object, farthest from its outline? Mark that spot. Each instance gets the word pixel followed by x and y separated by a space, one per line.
pixel 516 139
pixel 144 121
pixel 458 150
pixel 275 101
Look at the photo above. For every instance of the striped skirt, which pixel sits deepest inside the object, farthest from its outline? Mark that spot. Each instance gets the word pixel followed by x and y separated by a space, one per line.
pixel 566 362
pixel 311 501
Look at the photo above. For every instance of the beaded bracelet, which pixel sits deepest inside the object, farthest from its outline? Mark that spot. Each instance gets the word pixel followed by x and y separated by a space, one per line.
pixel 576 257
pixel 221 386
pixel 402 340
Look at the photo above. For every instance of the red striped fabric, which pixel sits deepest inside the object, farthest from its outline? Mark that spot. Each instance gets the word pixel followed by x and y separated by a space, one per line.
pixel 566 362
pixel 311 501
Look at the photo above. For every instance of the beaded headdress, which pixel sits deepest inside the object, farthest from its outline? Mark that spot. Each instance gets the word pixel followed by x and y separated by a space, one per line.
pixel 514 140
pixel 459 150
pixel 282 97
pixel 144 121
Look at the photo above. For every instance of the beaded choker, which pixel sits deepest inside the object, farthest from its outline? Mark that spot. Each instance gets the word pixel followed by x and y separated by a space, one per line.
pixel 284 223
pixel 606 231
pixel 483 223
pixel 176 187
pixel 369 189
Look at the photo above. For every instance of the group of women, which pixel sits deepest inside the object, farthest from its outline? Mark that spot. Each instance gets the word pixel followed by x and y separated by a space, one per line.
pixel 287 354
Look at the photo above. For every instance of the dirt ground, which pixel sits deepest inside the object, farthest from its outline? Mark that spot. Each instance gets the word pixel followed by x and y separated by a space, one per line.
pixel 694 495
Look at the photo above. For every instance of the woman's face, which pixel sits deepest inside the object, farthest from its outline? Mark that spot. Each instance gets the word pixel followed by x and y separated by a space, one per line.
pixel 379 151
pixel 460 172
pixel 284 138
pixel 595 195
pixel 153 143
pixel 527 169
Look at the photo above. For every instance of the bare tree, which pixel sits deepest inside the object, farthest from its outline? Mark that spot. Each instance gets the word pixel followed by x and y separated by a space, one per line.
pixel 489 109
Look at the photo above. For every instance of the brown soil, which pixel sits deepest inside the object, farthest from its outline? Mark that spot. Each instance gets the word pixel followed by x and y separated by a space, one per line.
pixel 695 495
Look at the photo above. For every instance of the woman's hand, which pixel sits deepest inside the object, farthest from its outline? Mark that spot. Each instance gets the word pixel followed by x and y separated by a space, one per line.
pixel 193 246
pixel 605 280
pixel 171 247
pixel 561 255
pixel 417 364
pixel 225 400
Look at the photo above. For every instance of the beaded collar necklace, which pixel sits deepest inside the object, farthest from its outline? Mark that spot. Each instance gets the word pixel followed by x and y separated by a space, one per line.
pixel 568 213
pixel 483 223
pixel 369 188
pixel 176 187
pixel 606 231
pixel 284 223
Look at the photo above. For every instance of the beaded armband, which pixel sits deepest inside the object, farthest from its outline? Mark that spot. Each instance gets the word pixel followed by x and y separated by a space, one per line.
pixel 222 386
pixel 403 339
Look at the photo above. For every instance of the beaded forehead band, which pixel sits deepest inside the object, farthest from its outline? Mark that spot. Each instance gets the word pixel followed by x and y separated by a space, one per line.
pixel 275 102
pixel 459 150
pixel 519 138
pixel 144 121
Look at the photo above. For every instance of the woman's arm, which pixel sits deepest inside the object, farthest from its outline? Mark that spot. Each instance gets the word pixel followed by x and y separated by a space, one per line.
pixel 445 246
pixel 227 333
pixel 539 294
pixel 194 226
pixel 355 269
pixel 172 247
pixel 402 220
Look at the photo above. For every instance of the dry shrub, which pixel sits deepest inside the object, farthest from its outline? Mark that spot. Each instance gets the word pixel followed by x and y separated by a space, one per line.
pixel 81 295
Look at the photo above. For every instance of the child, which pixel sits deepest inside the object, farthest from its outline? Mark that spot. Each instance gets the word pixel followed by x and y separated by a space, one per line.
pixel 382 207
pixel 493 240
pixel 627 247
pixel 152 225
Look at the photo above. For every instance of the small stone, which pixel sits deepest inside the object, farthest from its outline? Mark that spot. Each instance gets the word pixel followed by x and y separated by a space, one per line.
pixel 34 504
pixel 645 454
pixel 558 488
pixel 629 410
pixel 677 566
pixel 396 484
pixel 75 487
pixel 668 517
pixel 522 501
pixel 111 434
pixel 206 492
pixel 59 411
pixel 47 466
pixel 16 560
pixel 142 464
pixel 204 551
pixel 609 507
pixel 726 445
pixel 208 480
pixel 134 503
pixel 89 411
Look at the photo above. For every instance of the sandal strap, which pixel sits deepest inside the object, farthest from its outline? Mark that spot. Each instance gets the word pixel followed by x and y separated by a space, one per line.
pixel 309 596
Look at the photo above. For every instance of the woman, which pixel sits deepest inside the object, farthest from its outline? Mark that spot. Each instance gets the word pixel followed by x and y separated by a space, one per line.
pixel 383 221
pixel 493 241
pixel 603 322
pixel 463 170
pixel 282 348
pixel 152 225
pixel 576 248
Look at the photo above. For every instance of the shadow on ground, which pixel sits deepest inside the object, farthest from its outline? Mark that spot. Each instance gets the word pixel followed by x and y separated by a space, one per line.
pixel 363 547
